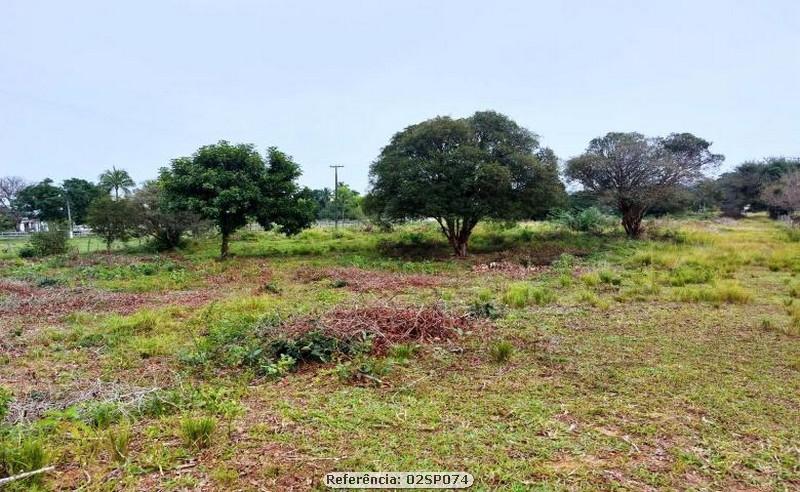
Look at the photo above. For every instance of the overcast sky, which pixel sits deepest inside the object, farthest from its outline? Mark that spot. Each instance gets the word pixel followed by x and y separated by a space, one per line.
pixel 85 85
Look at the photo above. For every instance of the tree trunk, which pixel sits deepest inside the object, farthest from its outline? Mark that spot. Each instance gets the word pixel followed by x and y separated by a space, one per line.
pixel 224 250
pixel 108 245
pixel 457 231
pixel 632 221
pixel 460 248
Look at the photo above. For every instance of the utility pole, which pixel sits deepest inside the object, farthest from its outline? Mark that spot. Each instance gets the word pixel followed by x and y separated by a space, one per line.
pixel 69 219
pixel 336 196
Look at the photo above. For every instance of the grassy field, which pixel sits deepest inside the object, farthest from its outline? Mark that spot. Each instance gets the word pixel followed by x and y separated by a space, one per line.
pixel 547 360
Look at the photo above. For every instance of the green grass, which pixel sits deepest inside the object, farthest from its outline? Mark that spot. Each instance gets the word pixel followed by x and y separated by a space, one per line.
pixel 668 363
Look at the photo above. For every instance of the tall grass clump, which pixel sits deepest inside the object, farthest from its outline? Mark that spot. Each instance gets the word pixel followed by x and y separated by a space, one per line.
pixel 20 454
pixel 197 432
pixel 722 292
pixel 501 351
pixel 523 294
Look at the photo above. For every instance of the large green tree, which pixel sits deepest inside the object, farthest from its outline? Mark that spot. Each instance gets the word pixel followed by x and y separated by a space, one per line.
pixel 745 185
pixel 461 171
pixel 79 194
pixel 344 203
pixel 230 184
pixel 633 172
pixel 43 200
pixel 116 180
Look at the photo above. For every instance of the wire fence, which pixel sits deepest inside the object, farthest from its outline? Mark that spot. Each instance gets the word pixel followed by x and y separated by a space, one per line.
pixel 26 235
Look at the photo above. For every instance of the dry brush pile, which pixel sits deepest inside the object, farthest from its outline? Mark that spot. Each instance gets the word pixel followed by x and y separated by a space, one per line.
pixel 384 324
pixel 360 280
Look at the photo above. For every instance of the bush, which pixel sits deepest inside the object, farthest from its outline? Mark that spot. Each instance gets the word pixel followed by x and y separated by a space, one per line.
pixel 591 220
pixel 46 243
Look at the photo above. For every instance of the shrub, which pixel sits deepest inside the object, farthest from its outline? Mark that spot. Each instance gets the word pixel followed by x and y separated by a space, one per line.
pixel 591 220
pixel 501 351
pixel 280 368
pixel 46 243
pixel 488 309
pixel 197 432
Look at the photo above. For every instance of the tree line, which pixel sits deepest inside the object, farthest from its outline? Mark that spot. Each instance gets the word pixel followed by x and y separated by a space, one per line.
pixel 456 171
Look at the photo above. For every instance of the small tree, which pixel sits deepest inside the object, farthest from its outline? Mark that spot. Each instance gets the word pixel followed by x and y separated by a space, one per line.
pixel 113 220
pixel 633 172
pixel 230 184
pixel 116 180
pixel 10 186
pixel 460 171
pixel 785 194
pixel 164 223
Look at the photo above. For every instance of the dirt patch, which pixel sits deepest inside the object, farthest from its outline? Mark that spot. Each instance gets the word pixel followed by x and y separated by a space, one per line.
pixel 509 269
pixel 48 304
pixel 385 324
pixel 359 280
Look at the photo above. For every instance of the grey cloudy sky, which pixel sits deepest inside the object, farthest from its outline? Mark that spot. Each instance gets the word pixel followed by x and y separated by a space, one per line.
pixel 89 84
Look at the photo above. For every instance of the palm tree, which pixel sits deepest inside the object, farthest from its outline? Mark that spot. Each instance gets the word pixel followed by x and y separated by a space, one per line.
pixel 117 179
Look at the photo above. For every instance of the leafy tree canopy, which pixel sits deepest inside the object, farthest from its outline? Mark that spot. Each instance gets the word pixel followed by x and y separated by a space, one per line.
pixel 113 220
pixel 116 180
pixel 229 184
pixel 744 186
pixel 346 205
pixel 634 172
pixel 460 171
pixel 43 201
pixel 80 194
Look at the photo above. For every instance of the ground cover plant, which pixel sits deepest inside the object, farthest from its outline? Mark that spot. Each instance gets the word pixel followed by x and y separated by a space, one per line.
pixel 553 358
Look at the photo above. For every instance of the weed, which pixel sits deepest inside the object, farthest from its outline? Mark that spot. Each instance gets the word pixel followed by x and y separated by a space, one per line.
pixel 403 351
pixel 19 454
pixel 589 297
pixel 488 310
pixel 723 292
pixel 197 432
pixel 690 274
pixel 364 370
pixel 118 441
pixel 6 397
pixel 279 368
pixel 101 415
pixel 523 294
pixel 501 351
pixel 609 277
